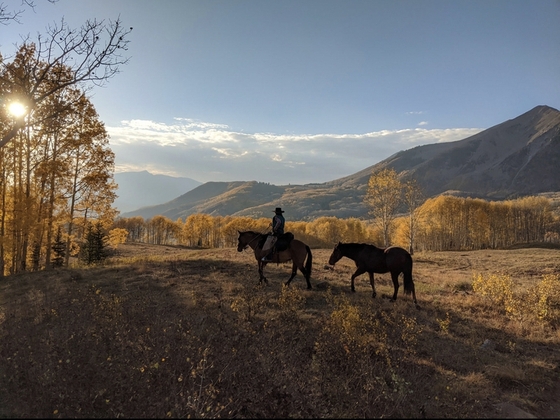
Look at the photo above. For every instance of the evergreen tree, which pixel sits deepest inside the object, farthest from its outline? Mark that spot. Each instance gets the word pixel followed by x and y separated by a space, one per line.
pixel 59 250
pixel 93 249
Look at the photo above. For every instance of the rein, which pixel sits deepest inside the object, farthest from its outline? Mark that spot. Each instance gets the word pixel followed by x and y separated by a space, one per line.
pixel 257 235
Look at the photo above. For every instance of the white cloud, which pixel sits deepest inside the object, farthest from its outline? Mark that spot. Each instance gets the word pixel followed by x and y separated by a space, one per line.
pixel 211 152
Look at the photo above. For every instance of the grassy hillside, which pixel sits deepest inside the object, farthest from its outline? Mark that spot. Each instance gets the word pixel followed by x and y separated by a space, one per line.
pixel 163 331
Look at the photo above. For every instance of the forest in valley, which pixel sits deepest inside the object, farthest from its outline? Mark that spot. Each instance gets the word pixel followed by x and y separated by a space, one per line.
pixel 443 223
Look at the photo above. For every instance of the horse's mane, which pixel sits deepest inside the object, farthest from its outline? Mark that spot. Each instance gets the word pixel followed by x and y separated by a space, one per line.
pixel 355 246
pixel 252 232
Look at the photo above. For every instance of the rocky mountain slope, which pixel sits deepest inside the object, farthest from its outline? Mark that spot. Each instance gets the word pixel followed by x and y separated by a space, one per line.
pixel 518 157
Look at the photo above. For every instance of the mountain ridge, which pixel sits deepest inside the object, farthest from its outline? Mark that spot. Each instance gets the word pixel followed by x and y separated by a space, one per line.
pixel 143 189
pixel 517 157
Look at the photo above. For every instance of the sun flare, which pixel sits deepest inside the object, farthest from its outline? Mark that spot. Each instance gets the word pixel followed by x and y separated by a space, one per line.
pixel 17 109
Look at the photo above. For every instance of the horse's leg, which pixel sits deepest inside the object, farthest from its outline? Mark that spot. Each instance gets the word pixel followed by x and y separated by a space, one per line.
pixel 296 263
pixel 294 272
pixel 308 266
pixel 305 274
pixel 261 272
pixel 357 273
pixel 395 278
pixel 372 284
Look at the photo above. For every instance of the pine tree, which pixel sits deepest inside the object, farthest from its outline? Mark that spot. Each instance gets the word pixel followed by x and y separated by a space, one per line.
pixel 59 250
pixel 93 249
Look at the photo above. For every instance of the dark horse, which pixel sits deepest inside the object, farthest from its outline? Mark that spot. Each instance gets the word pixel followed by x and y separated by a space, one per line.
pixel 370 259
pixel 296 251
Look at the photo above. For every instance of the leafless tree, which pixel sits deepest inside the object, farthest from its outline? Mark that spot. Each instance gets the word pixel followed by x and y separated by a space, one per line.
pixel 64 57
pixel 8 15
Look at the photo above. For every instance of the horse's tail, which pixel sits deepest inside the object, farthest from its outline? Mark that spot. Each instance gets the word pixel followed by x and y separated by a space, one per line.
pixel 309 262
pixel 407 273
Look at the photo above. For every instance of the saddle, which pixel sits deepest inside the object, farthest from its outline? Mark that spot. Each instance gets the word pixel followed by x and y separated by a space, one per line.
pixel 282 242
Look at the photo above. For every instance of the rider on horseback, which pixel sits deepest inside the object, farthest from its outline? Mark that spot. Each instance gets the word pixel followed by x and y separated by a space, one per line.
pixel 278 223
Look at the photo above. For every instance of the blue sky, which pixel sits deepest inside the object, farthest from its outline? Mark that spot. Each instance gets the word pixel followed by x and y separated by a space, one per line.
pixel 309 90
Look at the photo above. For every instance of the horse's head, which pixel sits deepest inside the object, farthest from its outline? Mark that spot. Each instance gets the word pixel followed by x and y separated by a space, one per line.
pixel 336 254
pixel 242 241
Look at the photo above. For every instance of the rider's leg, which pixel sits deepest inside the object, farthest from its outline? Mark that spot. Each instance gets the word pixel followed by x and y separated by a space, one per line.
pixel 270 255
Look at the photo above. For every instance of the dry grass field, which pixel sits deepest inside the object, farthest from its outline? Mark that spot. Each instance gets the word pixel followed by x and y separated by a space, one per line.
pixel 161 331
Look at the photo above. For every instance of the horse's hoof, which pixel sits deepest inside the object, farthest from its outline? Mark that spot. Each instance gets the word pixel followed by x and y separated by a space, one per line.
pixel 417 306
pixel 374 295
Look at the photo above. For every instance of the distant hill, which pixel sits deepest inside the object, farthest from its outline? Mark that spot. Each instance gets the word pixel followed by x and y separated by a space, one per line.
pixel 140 189
pixel 518 157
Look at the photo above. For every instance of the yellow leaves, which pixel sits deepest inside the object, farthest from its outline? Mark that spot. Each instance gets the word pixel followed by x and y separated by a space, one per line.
pixel 540 301
pixel 117 236
pixel 497 287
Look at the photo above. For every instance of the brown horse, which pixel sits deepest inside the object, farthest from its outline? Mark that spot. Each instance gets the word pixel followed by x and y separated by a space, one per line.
pixel 370 259
pixel 297 251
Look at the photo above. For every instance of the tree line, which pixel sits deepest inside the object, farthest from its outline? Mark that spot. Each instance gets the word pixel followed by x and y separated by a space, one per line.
pixel 443 223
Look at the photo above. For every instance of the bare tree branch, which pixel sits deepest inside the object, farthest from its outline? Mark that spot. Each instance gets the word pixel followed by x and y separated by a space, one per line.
pixel 8 16
pixel 65 57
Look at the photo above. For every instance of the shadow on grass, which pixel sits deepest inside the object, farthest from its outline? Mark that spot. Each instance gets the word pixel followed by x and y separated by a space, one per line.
pixel 199 337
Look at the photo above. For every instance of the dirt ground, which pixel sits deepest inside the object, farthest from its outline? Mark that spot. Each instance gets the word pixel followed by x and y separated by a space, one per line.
pixel 115 320
pixel 450 269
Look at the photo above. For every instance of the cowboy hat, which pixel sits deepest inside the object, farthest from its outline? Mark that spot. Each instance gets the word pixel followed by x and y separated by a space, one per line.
pixel 278 210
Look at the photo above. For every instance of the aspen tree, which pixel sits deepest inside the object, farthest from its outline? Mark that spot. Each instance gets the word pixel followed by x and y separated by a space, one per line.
pixel 384 196
pixel 413 198
pixel 94 54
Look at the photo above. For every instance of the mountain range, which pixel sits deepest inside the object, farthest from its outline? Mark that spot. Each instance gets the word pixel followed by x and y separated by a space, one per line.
pixel 141 189
pixel 516 158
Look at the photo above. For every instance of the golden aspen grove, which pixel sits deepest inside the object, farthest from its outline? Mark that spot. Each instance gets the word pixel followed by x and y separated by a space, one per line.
pixel 443 223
